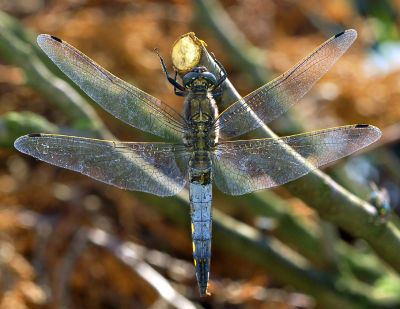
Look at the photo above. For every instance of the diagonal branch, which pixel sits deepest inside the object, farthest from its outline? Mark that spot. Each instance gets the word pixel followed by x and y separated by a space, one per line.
pixel 318 190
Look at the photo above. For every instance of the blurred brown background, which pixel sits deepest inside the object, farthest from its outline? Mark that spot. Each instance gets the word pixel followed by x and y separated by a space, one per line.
pixel 44 210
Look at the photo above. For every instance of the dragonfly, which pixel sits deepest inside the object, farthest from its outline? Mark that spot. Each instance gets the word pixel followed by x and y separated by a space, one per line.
pixel 202 145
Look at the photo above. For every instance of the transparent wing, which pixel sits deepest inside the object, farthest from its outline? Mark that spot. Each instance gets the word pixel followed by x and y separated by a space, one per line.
pixel 276 97
pixel 157 168
pixel 246 166
pixel 119 98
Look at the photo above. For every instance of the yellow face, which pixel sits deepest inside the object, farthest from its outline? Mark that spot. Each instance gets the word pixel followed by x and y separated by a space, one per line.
pixel 200 82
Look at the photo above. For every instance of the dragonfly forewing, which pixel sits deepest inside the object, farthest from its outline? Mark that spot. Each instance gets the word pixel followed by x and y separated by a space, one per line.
pixel 157 168
pixel 250 165
pixel 124 101
pixel 276 97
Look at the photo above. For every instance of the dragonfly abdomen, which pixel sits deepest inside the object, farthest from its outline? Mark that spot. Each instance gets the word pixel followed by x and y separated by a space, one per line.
pixel 200 195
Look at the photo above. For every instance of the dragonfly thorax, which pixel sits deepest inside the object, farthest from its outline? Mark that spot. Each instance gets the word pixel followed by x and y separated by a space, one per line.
pixel 200 112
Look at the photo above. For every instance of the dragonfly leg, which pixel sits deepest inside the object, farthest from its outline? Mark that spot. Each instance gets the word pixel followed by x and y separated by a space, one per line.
pixel 178 93
pixel 222 76
pixel 170 79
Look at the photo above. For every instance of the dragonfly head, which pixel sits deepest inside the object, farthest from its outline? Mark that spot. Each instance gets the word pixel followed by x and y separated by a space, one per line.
pixel 199 79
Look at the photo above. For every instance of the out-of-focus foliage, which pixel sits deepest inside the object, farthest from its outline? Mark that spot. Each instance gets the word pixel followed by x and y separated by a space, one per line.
pixel 42 262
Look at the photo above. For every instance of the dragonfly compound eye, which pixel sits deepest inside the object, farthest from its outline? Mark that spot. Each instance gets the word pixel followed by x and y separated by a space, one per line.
pixel 199 76
pixel 210 78
pixel 189 78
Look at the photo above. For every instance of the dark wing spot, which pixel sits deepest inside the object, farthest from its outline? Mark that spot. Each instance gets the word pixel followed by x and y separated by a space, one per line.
pixel 339 34
pixel 56 38
pixel 34 135
pixel 362 125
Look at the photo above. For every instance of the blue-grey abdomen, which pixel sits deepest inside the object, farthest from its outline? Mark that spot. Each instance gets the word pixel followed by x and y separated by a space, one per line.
pixel 200 205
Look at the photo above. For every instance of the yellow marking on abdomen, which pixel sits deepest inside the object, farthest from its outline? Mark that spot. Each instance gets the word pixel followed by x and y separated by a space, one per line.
pixel 194 246
pixel 192 228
